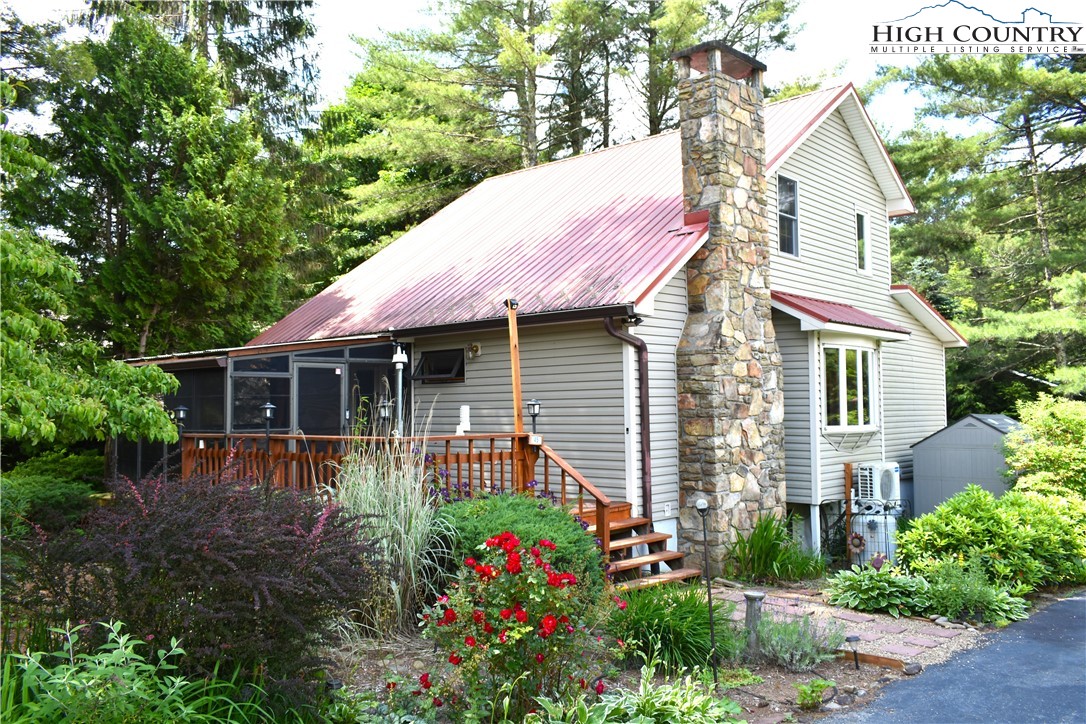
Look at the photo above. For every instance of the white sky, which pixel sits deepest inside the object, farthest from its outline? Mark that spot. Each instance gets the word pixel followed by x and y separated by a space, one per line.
pixel 835 31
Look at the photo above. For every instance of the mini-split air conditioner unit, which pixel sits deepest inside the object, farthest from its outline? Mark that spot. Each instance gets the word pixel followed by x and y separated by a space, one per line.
pixel 880 480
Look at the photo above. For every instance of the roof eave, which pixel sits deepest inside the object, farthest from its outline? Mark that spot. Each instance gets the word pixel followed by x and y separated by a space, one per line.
pixel 810 323
pixel 921 309
pixel 523 320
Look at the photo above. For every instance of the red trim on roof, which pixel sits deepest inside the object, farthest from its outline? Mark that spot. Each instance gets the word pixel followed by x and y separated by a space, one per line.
pixel 923 300
pixel 835 312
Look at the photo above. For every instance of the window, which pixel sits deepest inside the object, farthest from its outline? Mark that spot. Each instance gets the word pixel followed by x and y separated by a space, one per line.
pixel 861 242
pixel 445 365
pixel 849 375
pixel 787 216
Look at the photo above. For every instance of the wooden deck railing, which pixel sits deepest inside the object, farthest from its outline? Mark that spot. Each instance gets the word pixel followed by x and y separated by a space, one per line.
pixel 455 466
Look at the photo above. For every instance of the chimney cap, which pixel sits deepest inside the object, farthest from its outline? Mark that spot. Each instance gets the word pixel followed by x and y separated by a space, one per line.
pixel 734 63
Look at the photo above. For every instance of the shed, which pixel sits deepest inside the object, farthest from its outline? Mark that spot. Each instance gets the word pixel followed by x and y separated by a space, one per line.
pixel 969 451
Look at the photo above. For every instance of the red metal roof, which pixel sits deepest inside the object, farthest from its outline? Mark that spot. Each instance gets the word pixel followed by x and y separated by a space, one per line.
pixel 593 231
pixel 835 312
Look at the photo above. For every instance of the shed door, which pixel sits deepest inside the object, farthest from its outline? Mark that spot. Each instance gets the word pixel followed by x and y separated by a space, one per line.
pixel 320 392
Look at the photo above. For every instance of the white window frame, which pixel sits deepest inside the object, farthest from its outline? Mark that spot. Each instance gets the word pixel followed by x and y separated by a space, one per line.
pixel 870 371
pixel 862 232
pixel 794 219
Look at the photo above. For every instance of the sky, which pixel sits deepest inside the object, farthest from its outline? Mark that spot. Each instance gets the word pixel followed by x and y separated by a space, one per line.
pixel 834 32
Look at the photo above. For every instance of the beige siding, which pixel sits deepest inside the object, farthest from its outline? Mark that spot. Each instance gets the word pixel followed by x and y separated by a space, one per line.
pixel 575 370
pixel 662 332
pixel 795 357
pixel 834 185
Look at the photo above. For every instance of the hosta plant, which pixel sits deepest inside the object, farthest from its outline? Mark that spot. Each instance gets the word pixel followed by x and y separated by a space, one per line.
pixel 868 589
pixel 511 629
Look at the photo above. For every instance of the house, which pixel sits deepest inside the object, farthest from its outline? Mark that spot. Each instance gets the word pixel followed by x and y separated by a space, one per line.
pixel 967 452
pixel 706 313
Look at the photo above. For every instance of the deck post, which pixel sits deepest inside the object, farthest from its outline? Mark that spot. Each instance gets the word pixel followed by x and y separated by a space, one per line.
pixel 188 446
pixel 514 363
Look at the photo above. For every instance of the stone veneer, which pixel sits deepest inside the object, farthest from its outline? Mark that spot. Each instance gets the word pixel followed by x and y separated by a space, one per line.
pixel 731 406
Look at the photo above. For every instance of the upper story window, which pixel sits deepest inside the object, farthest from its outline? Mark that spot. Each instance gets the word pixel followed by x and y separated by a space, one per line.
pixel 849 398
pixel 861 242
pixel 787 216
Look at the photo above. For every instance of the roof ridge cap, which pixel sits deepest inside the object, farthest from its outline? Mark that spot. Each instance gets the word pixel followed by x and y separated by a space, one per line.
pixel 579 155
pixel 839 87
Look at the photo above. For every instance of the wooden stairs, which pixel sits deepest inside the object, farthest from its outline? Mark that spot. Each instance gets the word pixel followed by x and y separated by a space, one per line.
pixel 627 569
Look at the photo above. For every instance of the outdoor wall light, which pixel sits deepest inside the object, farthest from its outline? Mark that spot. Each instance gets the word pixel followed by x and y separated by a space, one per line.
pixel 702 506
pixel 399 361
pixel 179 414
pixel 267 411
pixel 534 406
pixel 853 644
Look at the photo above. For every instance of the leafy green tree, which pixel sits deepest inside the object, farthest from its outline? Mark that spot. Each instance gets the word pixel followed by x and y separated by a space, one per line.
pixel 1049 451
pixel 263 48
pixel 59 387
pixel 166 204
pixel 1001 215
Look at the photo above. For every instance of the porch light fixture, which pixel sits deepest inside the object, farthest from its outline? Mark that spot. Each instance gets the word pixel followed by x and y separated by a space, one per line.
pixel 534 406
pixel 399 359
pixel 179 414
pixel 702 506
pixel 267 411
pixel 853 644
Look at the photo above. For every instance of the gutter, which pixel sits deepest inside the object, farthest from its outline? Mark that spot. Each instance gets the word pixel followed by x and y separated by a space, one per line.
pixel 642 348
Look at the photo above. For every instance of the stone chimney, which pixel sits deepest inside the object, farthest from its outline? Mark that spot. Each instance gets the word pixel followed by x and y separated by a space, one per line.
pixel 731 406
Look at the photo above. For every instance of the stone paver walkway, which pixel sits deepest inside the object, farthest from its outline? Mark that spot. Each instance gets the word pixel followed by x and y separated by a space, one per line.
pixel 903 639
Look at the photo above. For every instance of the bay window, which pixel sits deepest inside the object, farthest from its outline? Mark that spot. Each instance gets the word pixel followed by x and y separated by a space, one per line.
pixel 849 387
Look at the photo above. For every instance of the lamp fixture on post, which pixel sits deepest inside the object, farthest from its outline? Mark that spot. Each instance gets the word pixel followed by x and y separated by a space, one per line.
pixel 267 411
pixel 534 406
pixel 384 413
pixel 702 506
pixel 179 414
pixel 399 360
pixel 853 645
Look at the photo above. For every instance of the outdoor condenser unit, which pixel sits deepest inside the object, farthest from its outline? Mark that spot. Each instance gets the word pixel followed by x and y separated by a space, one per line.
pixel 880 481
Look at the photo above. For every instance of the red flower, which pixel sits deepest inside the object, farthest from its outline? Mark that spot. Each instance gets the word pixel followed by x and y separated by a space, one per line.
pixel 438 702
pixel 538 562
pixel 564 619
pixel 425 680
pixel 539 658
pixel 535 552
pixel 512 563
pixel 502 637
pixel 522 616
pixel 620 603
pixel 599 686
pixel 547 626
pixel 455 659
pixel 547 544
pixel 390 685
pixel 583 683
pixel 478 615
pixel 449 616
pixel 469 562
pixel 442 599
pixel 488 628
pixel 506 613
pixel 469 640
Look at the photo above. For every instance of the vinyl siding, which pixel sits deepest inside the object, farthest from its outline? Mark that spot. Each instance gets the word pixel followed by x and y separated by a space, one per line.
pixel 662 332
pixel 795 357
pixel 834 185
pixel 575 371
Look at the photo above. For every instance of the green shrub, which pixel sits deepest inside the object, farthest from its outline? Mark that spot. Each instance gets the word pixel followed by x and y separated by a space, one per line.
pixel 768 553
pixel 245 575
pixel 1024 540
pixel 116 683
pixel 798 644
pixel 51 491
pixel 670 624
pixel 1050 447
pixel 513 628
pixel 963 592
pixel 867 589
pixel 387 485
pixel 474 520
pixel 685 700
pixel 809 695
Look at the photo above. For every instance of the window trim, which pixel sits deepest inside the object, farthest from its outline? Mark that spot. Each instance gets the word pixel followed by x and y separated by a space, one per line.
pixel 454 374
pixel 782 215
pixel 873 385
pixel 863 242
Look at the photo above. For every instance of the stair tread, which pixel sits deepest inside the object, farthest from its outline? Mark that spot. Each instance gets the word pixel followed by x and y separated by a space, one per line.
pixel 623 524
pixel 636 540
pixel 626 564
pixel 669 577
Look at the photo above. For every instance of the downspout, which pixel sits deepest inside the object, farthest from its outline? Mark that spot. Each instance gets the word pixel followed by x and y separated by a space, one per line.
pixel 643 412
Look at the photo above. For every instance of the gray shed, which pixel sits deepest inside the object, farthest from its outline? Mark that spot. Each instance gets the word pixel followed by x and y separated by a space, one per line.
pixel 967 451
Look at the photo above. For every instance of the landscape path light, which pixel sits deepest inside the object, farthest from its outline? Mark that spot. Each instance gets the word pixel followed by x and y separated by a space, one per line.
pixel 702 506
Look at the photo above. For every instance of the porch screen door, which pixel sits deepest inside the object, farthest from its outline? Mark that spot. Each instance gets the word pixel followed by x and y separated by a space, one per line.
pixel 320 395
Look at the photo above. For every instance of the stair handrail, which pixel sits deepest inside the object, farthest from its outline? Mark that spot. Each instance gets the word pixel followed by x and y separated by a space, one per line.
pixel 603 503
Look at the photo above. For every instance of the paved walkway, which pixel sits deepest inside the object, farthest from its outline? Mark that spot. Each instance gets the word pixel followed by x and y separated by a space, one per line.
pixel 905 640
pixel 1031 671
